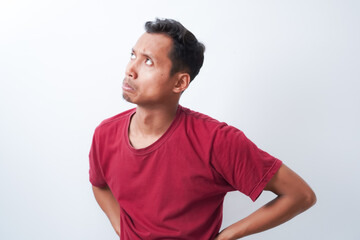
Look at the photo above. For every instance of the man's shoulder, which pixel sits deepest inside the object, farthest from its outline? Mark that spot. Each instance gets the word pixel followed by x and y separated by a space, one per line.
pixel 117 119
pixel 199 117
pixel 200 121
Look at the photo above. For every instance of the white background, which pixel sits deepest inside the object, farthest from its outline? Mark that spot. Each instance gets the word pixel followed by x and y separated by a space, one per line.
pixel 284 72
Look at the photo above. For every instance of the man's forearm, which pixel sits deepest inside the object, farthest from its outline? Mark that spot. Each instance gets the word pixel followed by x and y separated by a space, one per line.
pixel 271 215
pixel 294 197
pixel 109 205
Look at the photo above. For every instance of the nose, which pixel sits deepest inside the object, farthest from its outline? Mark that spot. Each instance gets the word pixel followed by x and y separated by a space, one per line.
pixel 131 70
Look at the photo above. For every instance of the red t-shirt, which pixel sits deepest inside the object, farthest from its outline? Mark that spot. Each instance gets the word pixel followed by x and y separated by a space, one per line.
pixel 174 188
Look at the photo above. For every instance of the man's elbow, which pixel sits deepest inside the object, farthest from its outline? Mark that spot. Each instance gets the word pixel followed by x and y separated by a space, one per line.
pixel 308 199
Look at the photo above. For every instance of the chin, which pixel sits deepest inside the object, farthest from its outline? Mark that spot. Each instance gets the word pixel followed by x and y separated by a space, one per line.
pixel 127 98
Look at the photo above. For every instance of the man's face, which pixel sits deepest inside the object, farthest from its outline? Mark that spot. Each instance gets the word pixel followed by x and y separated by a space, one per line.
pixel 147 78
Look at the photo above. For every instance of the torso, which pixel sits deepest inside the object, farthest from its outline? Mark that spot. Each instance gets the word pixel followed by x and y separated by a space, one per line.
pixel 173 185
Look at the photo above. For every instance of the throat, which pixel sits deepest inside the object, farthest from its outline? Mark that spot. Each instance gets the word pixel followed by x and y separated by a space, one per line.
pixel 138 141
pixel 147 127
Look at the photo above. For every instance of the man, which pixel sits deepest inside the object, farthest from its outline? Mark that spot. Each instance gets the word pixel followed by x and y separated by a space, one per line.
pixel 161 171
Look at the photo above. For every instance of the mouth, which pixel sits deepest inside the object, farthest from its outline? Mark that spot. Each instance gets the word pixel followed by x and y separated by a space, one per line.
pixel 127 87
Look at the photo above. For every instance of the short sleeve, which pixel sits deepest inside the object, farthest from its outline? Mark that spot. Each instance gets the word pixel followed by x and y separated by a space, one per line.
pixel 241 163
pixel 96 176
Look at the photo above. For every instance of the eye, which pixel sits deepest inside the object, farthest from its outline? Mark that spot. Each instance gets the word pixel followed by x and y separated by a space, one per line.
pixel 132 55
pixel 149 62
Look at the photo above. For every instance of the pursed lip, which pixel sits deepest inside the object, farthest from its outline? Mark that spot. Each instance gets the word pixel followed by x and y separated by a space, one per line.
pixel 126 86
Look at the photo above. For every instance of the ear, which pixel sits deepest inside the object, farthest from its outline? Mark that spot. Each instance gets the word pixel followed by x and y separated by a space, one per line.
pixel 182 82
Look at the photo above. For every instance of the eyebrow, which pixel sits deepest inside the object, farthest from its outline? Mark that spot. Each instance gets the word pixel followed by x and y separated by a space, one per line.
pixel 148 55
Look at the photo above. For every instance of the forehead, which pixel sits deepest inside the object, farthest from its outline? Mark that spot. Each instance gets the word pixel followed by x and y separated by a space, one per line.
pixel 155 45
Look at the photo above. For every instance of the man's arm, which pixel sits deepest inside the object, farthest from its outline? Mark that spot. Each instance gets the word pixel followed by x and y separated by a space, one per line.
pixel 109 205
pixel 294 197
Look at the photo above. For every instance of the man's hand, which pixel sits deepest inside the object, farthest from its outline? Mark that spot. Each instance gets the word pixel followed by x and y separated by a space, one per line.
pixel 294 197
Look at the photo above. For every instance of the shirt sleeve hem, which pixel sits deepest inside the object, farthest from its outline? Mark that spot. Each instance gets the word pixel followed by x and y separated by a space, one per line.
pixel 255 193
pixel 96 184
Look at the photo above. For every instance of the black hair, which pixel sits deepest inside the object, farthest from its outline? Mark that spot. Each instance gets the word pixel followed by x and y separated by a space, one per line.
pixel 187 53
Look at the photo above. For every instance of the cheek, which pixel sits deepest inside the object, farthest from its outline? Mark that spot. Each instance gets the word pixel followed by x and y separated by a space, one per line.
pixel 155 82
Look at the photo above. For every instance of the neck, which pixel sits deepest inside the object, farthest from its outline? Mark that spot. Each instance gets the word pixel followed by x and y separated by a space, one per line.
pixel 152 121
